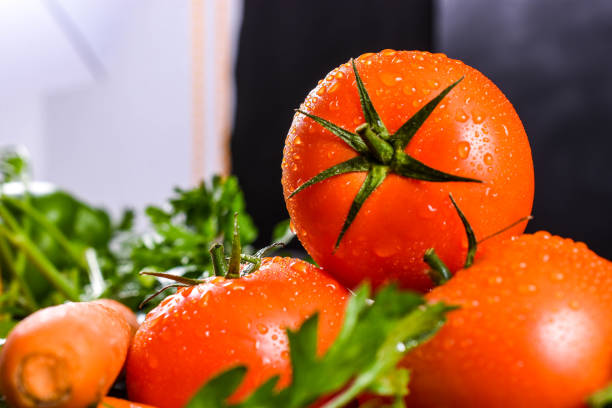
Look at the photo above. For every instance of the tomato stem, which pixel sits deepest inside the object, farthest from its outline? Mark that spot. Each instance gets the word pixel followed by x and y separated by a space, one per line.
pixel 217 254
pixel 439 272
pixel 378 150
pixel 378 147
pixel 233 271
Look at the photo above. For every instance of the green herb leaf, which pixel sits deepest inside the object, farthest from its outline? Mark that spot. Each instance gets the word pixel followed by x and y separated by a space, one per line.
pixel 374 338
pixel 218 389
pixel 282 232
pixel 185 230
pixel 601 398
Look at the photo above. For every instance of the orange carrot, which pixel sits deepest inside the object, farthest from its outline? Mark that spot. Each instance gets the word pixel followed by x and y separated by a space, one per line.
pixel 65 356
pixel 127 313
pixel 110 402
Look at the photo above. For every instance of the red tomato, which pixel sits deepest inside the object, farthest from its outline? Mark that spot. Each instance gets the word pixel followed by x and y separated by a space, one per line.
pixel 205 329
pixel 474 132
pixel 534 329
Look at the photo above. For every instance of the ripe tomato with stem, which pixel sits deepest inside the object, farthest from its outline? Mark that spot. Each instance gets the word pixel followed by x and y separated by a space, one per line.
pixel 532 330
pixel 238 317
pixel 376 147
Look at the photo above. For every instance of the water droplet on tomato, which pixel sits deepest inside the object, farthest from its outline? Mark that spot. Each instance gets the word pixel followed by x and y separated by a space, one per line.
pixel 461 116
pixel 432 84
pixel 574 305
pixel 409 90
pixel 488 158
pixel 558 276
pixel 333 88
pixel 299 266
pixel 464 150
pixel 297 140
pixel 262 329
pixel 385 250
pixel 478 117
pixel 321 91
pixel 389 78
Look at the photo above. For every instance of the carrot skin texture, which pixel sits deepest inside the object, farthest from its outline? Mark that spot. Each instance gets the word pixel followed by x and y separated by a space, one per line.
pixel 125 311
pixel 65 356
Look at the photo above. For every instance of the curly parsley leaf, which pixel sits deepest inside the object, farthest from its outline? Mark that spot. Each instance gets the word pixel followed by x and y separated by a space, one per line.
pixel 374 338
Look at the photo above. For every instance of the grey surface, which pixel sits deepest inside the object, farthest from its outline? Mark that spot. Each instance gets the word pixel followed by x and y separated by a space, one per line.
pixel 553 59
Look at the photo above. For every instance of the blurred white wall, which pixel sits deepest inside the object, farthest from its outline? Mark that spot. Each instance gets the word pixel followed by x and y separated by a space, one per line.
pixel 110 115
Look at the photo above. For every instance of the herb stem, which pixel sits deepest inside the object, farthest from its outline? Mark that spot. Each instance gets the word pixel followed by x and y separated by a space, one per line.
pixel 43 264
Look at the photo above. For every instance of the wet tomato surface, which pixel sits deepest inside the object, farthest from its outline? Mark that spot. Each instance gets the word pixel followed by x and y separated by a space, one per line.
pixel 202 330
pixel 534 329
pixel 474 132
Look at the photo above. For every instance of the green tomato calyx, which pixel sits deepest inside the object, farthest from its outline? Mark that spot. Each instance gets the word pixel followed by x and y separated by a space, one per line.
pixel 379 153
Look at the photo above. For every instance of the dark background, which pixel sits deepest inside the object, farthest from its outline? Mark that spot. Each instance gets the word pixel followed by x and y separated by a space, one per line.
pixel 552 59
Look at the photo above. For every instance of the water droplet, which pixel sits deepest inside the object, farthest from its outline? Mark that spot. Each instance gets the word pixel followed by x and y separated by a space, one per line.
pixel 488 158
pixel 297 140
pixel 460 116
pixel 409 90
pixel 389 79
pixel 558 276
pixel 432 84
pixel 477 116
pixel 385 250
pixel 333 88
pixel 262 329
pixel 321 91
pixel 464 149
pixel 574 304
pixel 299 266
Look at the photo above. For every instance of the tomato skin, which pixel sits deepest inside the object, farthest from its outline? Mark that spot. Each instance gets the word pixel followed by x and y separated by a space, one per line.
pixel 474 132
pixel 534 329
pixel 202 330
